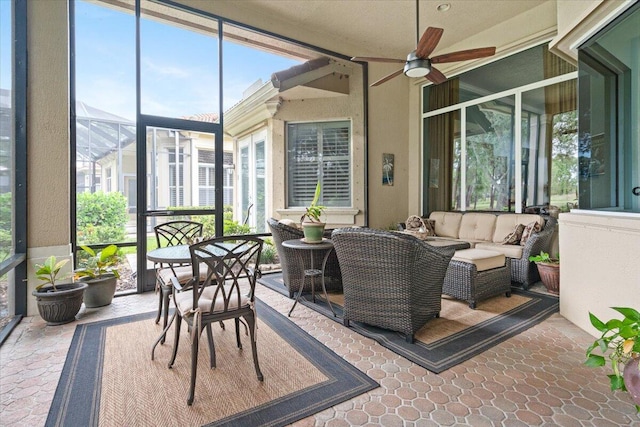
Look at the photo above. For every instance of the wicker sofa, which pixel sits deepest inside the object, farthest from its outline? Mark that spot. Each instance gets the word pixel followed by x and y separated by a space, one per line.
pixel 291 268
pixel 390 280
pixel 487 230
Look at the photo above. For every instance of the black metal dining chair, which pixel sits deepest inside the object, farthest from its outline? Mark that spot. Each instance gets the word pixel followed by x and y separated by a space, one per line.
pixel 232 269
pixel 171 234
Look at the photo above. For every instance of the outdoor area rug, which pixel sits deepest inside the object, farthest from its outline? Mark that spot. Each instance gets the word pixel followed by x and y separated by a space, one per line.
pixel 458 334
pixel 109 378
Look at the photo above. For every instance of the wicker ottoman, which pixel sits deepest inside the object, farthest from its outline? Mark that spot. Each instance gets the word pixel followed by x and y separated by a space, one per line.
pixel 476 274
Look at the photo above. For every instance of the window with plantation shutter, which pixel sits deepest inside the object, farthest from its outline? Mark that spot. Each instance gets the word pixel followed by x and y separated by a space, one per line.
pixel 319 151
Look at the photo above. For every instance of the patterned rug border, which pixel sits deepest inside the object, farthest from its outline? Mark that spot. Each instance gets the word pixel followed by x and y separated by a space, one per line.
pixel 453 349
pixel 456 348
pixel 77 402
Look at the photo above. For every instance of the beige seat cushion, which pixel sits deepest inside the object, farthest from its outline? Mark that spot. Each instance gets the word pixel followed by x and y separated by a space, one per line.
pixel 506 223
pixel 184 301
pixel 511 251
pixel 182 273
pixel 476 227
pixel 483 259
pixel 447 223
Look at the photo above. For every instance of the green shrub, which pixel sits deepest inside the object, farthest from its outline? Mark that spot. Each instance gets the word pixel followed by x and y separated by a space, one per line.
pixel 6 204
pixel 269 253
pixel 101 217
pixel 230 227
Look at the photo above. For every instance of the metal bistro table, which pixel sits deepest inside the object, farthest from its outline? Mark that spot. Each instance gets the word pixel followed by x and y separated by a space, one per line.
pixel 300 247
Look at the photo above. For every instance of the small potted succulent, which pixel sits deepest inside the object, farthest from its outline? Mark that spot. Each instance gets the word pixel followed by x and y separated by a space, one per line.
pixel 58 303
pixel 621 340
pixel 312 226
pixel 549 269
pixel 100 272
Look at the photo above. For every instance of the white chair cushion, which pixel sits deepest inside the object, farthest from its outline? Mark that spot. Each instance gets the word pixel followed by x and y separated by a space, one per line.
pixel 483 259
pixel 183 273
pixel 184 301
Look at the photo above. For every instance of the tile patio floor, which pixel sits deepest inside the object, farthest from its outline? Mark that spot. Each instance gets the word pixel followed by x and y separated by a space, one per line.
pixel 535 378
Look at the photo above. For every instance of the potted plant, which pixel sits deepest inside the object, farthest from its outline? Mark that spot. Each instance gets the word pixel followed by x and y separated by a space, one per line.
pixel 621 338
pixel 549 269
pixel 58 303
pixel 312 226
pixel 101 274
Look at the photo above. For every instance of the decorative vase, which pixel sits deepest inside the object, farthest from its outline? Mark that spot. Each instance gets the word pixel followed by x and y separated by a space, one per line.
pixel 60 306
pixel 631 376
pixel 100 291
pixel 313 231
pixel 550 276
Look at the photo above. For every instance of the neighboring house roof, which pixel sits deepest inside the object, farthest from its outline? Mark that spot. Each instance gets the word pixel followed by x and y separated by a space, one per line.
pixel 204 117
pixel 318 78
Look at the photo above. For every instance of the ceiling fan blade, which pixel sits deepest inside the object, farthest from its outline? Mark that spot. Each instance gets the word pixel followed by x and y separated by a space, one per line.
pixel 368 58
pixel 428 41
pixel 436 76
pixel 387 77
pixel 464 55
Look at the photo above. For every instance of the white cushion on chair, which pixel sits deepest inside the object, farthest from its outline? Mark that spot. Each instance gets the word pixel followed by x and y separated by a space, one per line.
pixel 184 301
pixel 183 274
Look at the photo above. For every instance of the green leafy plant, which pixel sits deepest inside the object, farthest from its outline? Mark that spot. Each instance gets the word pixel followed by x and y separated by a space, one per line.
pixel 100 263
pixel 545 258
pixel 101 217
pixel 48 272
pixel 314 210
pixel 620 339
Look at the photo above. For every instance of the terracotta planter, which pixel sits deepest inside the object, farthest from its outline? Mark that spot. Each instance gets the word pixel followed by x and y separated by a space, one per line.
pixel 100 291
pixel 550 276
pixel 60 306
pixel 313 231
pixel 631 376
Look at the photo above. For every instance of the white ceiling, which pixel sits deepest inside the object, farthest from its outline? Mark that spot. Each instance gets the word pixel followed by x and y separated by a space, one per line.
pixel 388 27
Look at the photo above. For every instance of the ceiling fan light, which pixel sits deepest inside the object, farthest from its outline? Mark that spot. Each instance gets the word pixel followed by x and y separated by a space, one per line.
pixel 417 68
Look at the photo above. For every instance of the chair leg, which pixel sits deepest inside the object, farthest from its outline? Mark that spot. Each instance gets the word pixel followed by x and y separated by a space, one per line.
pixel 251 321
pixel 194 366
pixel 159 307
pixel 212 348
pixel 472 305
pixel 165 309
pixel 238 333
pixel 409 338
pixel 176 340
pixel 508 294
pixel 345 322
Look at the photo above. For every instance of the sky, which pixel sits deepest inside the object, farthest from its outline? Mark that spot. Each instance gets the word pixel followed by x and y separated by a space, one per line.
pixel 178 67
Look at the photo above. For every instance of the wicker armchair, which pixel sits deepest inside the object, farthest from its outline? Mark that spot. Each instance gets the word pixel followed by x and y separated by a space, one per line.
pixel 524 271
pixel 390 280
pixel 291 268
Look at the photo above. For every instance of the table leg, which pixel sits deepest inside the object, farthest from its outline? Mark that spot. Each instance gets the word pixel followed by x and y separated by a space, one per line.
pixel 304 276
pixel 324 289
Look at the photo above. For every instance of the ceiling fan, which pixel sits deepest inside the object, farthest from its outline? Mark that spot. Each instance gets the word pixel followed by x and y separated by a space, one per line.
pixel 418 63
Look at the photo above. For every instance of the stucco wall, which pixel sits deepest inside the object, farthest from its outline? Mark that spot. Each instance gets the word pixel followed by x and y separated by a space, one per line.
pixel 599 265
pixel 345 107
pixel 48 124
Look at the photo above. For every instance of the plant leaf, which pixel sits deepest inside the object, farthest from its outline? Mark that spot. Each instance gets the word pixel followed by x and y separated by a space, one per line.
pixel 617 383
pixel 629 313
pixel 88 250
pixel 597 323
pixel 594 360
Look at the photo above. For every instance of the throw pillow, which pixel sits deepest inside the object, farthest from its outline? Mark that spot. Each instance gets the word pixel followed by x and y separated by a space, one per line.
pixel 420 225
pixel 515 236
pixel 531 228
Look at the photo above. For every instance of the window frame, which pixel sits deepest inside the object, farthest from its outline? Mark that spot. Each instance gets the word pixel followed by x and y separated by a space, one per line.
pixel 321 159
